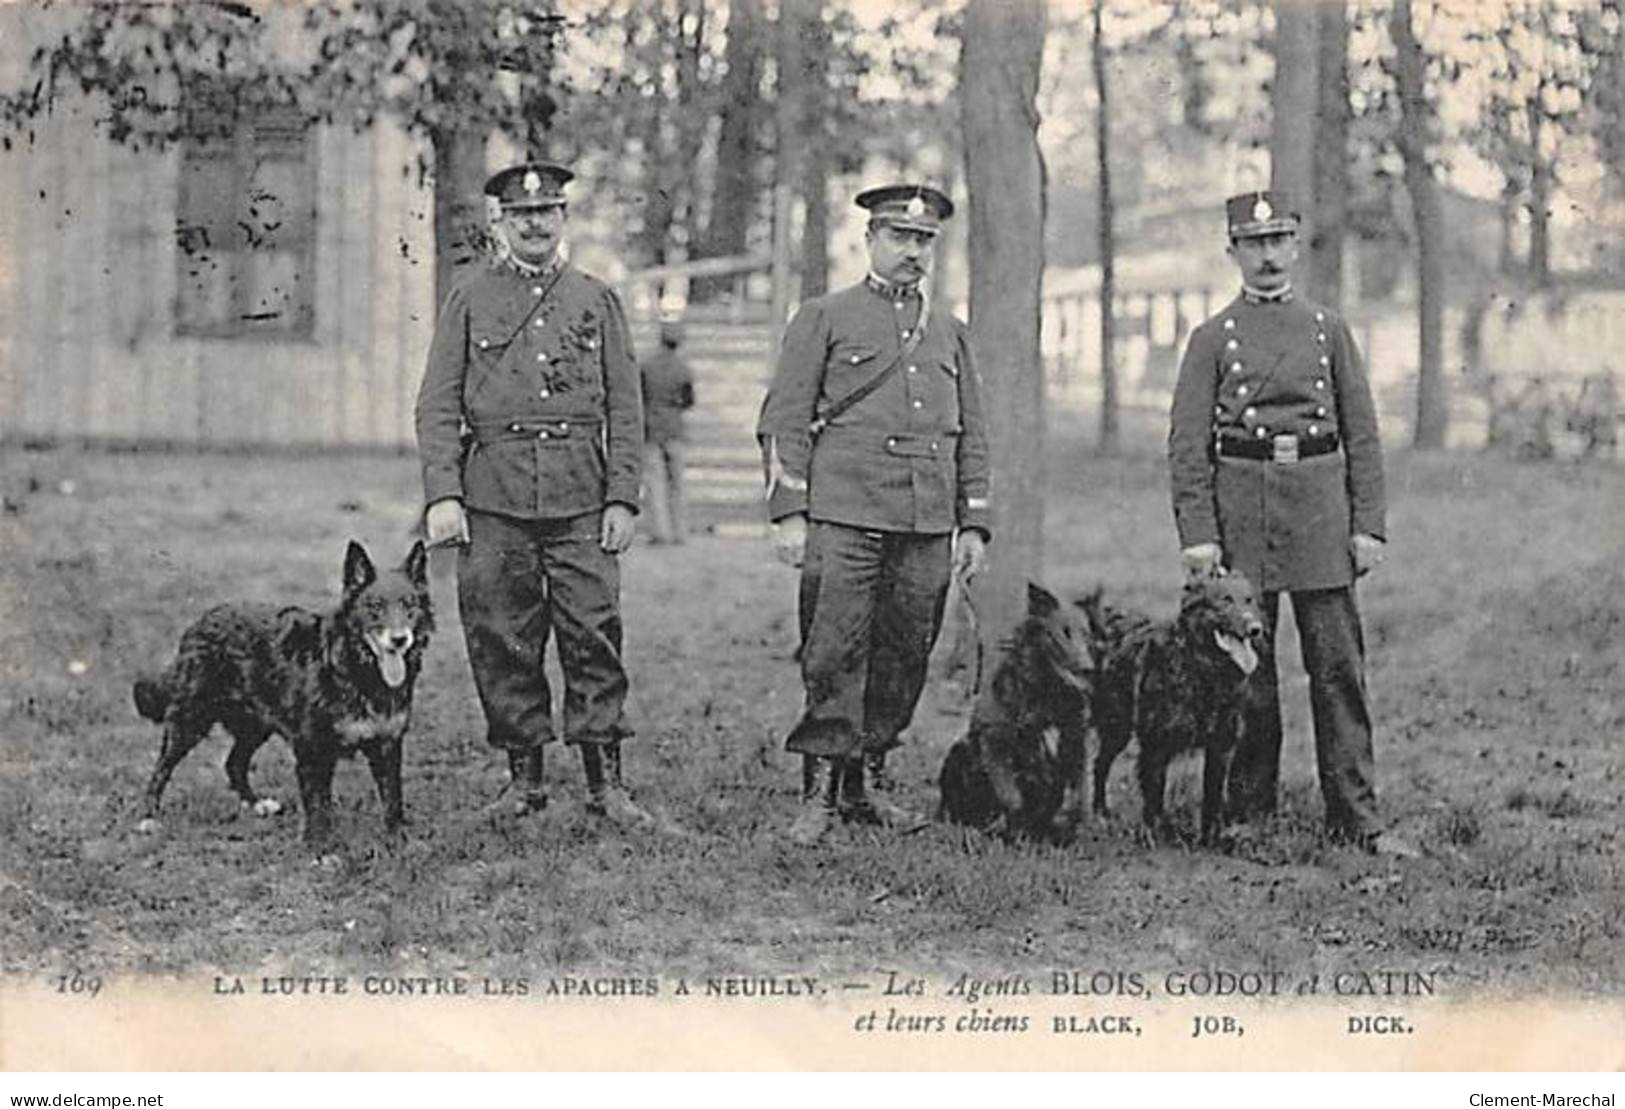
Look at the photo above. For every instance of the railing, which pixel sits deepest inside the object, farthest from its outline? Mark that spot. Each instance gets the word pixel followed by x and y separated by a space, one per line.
pixel 663 291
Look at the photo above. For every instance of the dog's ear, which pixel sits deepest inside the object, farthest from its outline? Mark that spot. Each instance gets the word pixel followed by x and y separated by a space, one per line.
pixel 417 565
pixel 358 569
pixel 1040 601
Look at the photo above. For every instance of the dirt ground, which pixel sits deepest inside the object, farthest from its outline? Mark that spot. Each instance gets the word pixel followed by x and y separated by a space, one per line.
pixel 1497 663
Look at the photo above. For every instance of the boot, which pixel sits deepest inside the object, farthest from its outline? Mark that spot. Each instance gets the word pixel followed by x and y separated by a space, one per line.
pixel 820 791
pixel 858 806
pixel 525 765
pixel 607 795
pixel 879 780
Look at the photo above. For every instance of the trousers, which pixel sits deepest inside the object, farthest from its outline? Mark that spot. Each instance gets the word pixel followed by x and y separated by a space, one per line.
pixel 1328 623
pixel 520 582
pixel 870 608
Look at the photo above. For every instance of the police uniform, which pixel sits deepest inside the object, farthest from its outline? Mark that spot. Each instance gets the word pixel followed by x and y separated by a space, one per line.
pixel 668 392
pixel 530 414
pixel 885 486
pixel 1274 456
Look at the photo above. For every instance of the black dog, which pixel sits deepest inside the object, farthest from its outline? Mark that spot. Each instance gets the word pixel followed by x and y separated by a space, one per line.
pixel 1178 687
pixel 330 685
pixel 1003 774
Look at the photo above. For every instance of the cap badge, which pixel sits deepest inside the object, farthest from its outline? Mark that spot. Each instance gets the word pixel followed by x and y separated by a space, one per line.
pixel 532 183
pixel 1262 210
pixel 916 208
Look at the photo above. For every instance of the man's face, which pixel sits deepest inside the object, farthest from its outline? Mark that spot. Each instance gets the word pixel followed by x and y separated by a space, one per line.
pixel 533 233
pixel 899 254
pixel 1266 261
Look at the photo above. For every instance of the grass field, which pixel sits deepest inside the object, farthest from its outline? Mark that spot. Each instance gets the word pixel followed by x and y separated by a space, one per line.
pixel 1497 643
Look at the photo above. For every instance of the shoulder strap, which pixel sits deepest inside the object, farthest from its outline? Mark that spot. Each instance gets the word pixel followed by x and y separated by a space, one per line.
pixel 842 406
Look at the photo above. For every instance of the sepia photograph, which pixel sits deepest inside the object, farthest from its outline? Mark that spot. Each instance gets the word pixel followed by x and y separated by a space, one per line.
pixel 942 535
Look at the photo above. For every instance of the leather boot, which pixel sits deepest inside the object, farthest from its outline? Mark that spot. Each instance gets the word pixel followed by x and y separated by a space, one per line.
pixel 525 764
pixel 820 792
pixel 859 806
pixel 607 795
pixel 879 780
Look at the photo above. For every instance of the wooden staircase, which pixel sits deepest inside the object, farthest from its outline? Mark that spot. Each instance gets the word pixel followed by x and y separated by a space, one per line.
pixel 732 362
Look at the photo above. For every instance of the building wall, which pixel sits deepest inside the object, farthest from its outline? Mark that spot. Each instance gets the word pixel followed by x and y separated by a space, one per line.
pixel 88 272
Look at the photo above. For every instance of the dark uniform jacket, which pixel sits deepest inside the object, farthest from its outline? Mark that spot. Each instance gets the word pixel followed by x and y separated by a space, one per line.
pixel 668 390
pixel 910 457
pixel 1256 371
pixel 538 371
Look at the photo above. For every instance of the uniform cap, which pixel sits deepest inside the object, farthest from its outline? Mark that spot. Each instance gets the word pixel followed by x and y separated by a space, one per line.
pixel 530 185
pixel 911 207
pixel 1254 214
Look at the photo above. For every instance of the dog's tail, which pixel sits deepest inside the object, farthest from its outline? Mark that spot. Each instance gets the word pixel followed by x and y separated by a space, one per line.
pixel 152 697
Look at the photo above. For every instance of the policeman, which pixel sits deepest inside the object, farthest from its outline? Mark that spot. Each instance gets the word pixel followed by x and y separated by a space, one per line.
pixel 1276 471
pixel 668 392
pixel 875 446
pixel 530 425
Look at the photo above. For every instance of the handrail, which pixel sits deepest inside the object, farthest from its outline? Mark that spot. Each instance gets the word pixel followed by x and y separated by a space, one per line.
pixel 702 267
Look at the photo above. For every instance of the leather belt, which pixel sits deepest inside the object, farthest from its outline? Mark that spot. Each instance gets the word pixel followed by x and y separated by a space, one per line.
pixel 537 429
pixel 1277 448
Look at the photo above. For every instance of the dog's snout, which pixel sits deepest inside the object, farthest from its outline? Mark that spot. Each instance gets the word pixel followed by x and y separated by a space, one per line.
pixel 399 641
pixel 1255 629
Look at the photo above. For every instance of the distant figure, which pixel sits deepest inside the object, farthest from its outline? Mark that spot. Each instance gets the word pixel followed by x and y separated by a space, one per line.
pixel 668 392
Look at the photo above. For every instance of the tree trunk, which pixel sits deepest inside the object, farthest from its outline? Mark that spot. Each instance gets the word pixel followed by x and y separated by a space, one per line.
pixel 1415 128
pixel 734 199
pixel 1109 423
pixel 1000 60
pixel 814 138
pixel 460 225
pixel 1293 107
pixel 788 119
pixel 1330 202
pixel 1540 199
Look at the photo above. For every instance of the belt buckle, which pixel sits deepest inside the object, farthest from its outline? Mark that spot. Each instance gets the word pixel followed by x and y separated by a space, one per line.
pixel 1286 448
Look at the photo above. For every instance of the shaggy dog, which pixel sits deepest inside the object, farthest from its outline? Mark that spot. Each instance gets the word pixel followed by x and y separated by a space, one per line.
pixel 1177 687
pixel 1002 774
pixel 330 685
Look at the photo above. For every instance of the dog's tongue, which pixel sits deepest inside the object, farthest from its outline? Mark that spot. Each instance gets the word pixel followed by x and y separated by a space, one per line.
pixel 1240 651
pixel 392 664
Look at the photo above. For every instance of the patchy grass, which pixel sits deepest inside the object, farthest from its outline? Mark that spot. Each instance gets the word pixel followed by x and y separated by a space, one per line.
pixel 1497 637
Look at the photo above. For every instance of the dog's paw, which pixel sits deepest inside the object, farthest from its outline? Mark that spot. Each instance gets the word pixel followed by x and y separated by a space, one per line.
pixel 265 806
pixel 149 826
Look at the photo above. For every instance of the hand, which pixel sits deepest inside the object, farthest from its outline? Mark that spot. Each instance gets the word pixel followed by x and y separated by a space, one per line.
pixel 1368 554
pixel 618 528
pixel 790 539
pixel 446 523
pixel 970 553
pixel 1203 558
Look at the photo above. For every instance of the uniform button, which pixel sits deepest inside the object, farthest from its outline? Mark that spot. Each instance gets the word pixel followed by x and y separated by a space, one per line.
pixel 899 306
pixel 540 321
pixel 1241 391
pixel 484 343
pixel 1218 409
pixel 544 394
pixel 1251 413
pixel 1320 383
pixel 564 425
pixel 515 427
pixel 919 404
pixel 536 290
pixel 912 369
pixel 541 357
pixel 891 442
pixel 1320 317
pixel 905 335
pixel 1321 412
pixel 933 446
pixel 1229 325
pixel 541 435
pixel 1314 429
pixel 1262 431
pixel 1232 344
pixel 1320 337
pixel 1235 366
pixel 1325 361
pixel 856 359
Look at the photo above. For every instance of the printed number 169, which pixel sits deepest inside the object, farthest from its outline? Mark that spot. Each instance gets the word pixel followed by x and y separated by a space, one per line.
pixel 79 984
